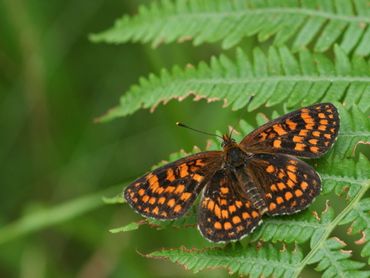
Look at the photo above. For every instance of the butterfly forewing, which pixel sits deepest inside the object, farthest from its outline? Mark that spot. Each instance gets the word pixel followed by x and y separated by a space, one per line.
pixel 225 215
pixel 289 184
pixel 308 132
pixel 169 191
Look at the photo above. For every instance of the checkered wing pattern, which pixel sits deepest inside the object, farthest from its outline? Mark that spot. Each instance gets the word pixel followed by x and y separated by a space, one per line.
pixel 308 132
pixel 290 185
pixel 169 191
pixel 224 215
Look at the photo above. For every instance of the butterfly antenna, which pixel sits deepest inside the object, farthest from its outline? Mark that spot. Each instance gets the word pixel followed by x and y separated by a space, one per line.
pixel 197 130
pixel 240 117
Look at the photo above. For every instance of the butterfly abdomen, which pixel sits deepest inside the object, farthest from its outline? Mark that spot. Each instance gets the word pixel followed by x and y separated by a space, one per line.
pixel 250 191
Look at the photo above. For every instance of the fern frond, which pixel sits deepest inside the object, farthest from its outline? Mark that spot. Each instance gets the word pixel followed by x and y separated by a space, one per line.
pixel 335 262
pixel 359 218
pixel 303 22
pixel 271 78
pixel 249 260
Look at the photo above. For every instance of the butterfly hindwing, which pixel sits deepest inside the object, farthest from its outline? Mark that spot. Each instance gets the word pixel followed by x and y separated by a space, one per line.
pixel 308 132
pixel 225 215
pixel 169 191
pixel 289 184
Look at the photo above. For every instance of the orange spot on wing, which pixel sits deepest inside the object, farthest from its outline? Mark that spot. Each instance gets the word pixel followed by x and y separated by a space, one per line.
pixel 279 200
pixel 152 200
pixel 304 185
pixel 270 169
pixel 268 195
pixel 303 132
pixel 272 206
pixel 183 169
pixel 255 214
pixel 281 186
pixel 170 175
pixel 141 192
pixel 227 226
pixel 210 205
pixel 281 174
pixel 171 203
pixel 217 211
pixel 298 193
pixel 307 118
pixel 314 149
pixel 232 208
pixel 180 188
pixel 292 176
pixel 292 125
pixel 322 115
pixel 291 168
pixel 316 133
pixel 309 126
pixel 185 196
pixel 223 202
pixel 246 215
pixel 288 196
pixel 217 225
pixel 297 139
pixel 273 187
pixel 177 208
pixel 224 190
pixel 170 189
pixel 198 177
pixel 238 204
pixel 236 219
pixel 324 122
pixel 299 147
pixel 313 141
pixel 199 162
pixel 145 198
pixel 154 185
pixel 161 200
pixel 155 210
pixel 322 127
pixel 327 136
pixel 277 144
pixel 279 129
pixel 225 213
pixel 290 183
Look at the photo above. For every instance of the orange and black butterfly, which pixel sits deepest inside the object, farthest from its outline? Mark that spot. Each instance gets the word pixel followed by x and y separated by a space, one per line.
pixel 260 175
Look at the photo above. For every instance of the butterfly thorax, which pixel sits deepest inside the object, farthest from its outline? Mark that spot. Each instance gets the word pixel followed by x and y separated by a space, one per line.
pixel 234 157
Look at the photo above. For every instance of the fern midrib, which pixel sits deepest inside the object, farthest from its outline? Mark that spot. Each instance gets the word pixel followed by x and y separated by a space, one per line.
pixel 334 263
pixel 268 12
pixel 301 223
pixel 278 78
pixel 354 133
pixel 240 259
pixel 362 182
pixel 330 227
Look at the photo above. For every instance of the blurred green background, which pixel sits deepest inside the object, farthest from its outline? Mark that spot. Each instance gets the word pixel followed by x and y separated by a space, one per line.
pixel 56 163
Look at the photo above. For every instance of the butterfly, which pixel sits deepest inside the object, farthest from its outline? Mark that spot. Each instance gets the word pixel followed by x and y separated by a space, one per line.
pixel 260 175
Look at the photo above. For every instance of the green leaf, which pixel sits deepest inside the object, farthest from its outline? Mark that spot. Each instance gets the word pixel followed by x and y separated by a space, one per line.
pixel 273 78
pixel 249 260
pixel 333 261
pixel 203 21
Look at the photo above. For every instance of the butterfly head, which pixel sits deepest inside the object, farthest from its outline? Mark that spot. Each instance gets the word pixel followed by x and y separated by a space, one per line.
pixel 228 142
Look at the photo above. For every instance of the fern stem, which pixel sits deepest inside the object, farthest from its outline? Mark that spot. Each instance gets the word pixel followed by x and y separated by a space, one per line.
pixel 270 11
pixel 330 228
